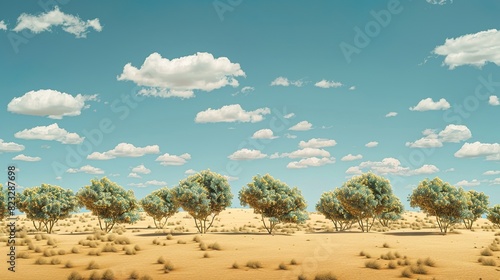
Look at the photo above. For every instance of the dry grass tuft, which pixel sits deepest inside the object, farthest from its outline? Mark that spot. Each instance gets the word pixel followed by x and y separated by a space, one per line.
pixel 254 264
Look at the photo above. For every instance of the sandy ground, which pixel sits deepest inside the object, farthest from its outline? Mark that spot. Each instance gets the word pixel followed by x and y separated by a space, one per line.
pixel 314 248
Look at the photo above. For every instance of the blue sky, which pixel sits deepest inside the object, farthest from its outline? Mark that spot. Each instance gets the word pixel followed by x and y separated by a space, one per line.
pixel 312 94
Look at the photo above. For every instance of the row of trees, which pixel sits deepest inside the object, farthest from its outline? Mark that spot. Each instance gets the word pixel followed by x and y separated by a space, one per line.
pixel 363 199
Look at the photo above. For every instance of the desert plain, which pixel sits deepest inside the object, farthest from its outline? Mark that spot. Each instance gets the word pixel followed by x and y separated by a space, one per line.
pixel 238 247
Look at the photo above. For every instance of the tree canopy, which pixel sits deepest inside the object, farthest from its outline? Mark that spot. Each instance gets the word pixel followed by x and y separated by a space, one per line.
pixel 330 206
pixel 274 200
pixel 477 205
pixel 46 204
pixel 111 203
pixel 203 195
pixel 160 205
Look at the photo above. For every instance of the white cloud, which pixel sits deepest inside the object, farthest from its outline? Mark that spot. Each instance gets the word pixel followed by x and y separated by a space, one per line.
pixel 310 162
pixel 352 88
pixel 491 172
pixel 50 133
pixel 391 166
pixel 282 81
pixel 317 143
pixel 141 169
pixel 26 158
pixel 190 172
pixel 328 84
pixel 10 147
pixel 247 89
pixel 391 114
pixel 465 183
pixel 264 134
pixel 307 153
pixel 86 169
pixel 472 49
pixel 496 181
pixel 450 170
pixel 45 21
pixel 493 100
pixel 301 126
pixel 451 134
pixel 246 154
pixel 290 136
pixel 371 144
pixel 438 2
pixel 133 175
pixel 351 157
pixel 3 26
pixel 168 159
pixel 288 116
pixel 155 183
pixel 179 77
pixel 478 149
pixel 51 103
pixel 231 113
pixel 428 104
pixel 125 150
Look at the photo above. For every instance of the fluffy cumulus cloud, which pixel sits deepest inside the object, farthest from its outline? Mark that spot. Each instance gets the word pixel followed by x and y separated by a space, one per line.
pixel 391 166
pixel 475 49
pixel 168 159
pixel 125 150
pixel 50 133
pixel 10 147
pixel 190 172
pixel 391 114
pixel 301 126
pixel 3 26
pixel 231 113
pixel 317 143
pixel 465 183
pixel 478 149
pixel 428 104
pixel 22 157
pixel 264 134
pixel 310 162
pixel 493 100
pixel 289 116
pixel 155 183
pixel 45 21
pixel 371 144
pixel 308 152
pixel 432 139
pixel 86 169
pixel 51 103
pixel 141 169
pixel 179 77
pixel 328 84
pixel 282 81
pixel 247 154
pixel 134 175
pixel 492 172
pixel 351 157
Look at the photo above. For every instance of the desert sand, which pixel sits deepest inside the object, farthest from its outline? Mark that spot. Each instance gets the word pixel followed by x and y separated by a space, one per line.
pixel 238 238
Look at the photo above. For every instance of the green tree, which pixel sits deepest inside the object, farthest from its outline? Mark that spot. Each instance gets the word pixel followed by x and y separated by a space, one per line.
pixel 366 197
pixel 46 204
pixel 160 205
pixel 3 203
pixel 203 195
pixel 440 199
pixel 477 205
pixel 332 209
pixel 494 215
pixel 111 203
pixel 392 213
pixel 274 200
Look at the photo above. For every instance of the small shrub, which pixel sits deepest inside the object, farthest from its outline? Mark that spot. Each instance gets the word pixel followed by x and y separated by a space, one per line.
pixel 68 264
pixel 75 276
pixel 137 247
pixel 325 276
pixel 108 275
pixel 282 266
pixel 429 262
pixel 489 262
pixel 168 266
pixel 129 251
pixel 301 277
pixel 215 246
pixel 95 275
pixel 235 265
pixel 372 264
pixel 169 236
pixel 61 252
pixel 293 262
pixel 55 261
pixel 181 242
pixel 146 277
pixel 41 261
pixel 38 249
pixel 75 250
pixel 362 253
pixel 406 273
pixel 23 255
pixel 385 245
pixel 419 269
pixel 206 255
pixel 254 264
pixel 391 265
pixel 486 252
pixel 123 240
pixel 203 246
pixel 161 260
pixel 51 242
pixel 92 265
pixel 197 239
pixel 38 237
